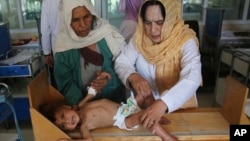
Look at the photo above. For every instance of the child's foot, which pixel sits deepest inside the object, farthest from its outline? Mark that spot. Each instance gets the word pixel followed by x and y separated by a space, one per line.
pixel 164 121
pixel 162 133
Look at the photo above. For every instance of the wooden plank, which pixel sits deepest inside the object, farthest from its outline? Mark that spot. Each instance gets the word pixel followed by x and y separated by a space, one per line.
pixel 43 129
pixel 233 107
pixel 39 91
pixel 155 138
pixel 195 110
pixel 185 126
pixel 206 123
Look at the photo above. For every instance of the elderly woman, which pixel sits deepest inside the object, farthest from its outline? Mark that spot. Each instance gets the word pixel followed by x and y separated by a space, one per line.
pixel 161 63
pixel 85 49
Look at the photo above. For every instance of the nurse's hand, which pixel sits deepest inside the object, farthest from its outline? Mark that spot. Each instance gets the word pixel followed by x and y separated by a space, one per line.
pixel 100 81
pixel 140 85
pixel 153 114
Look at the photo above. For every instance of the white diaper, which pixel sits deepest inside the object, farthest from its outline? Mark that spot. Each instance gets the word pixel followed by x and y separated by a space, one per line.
pixel 125 110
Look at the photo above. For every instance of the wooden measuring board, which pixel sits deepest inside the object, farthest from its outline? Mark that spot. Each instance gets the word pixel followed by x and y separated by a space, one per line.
pixel 183 125
pixel 210 124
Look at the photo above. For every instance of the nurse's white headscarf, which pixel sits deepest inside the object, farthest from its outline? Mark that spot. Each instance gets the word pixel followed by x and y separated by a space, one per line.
pixel 67 38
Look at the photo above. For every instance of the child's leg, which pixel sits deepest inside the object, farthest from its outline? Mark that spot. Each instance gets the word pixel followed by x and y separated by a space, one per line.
pixel 164 135
pixel 133 120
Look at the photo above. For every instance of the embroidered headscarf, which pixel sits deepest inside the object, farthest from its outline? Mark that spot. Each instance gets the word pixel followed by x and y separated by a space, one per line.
pixel 67 38
pixel 131 8
pixel 167 54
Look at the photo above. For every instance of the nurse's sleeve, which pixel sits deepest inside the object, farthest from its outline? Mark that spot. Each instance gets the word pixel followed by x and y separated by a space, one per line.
pixel 125 62
pixel 190 78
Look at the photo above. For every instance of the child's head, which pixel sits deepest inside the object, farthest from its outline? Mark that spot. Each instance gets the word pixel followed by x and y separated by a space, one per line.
pixel 61 114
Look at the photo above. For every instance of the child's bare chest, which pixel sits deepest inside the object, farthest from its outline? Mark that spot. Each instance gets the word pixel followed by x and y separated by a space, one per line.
pixel 97 117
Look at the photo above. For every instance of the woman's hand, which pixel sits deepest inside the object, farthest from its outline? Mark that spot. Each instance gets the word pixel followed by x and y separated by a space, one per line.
pixel 140 85
pixel 100 81
pixel 153 113
pixel 49 60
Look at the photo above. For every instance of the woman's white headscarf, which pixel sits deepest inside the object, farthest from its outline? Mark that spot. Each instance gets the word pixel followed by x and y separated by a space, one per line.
pixel 67 39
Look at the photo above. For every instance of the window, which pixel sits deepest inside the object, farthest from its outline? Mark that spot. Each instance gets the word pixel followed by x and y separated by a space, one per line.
pixel 193 9
pixel 20 14
pixel 248 15
pixel 30 10
pixel 110 11
pixel 113 9
pixel 233 8
pixel 9 13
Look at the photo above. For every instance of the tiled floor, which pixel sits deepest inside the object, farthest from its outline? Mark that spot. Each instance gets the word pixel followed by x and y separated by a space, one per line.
pixel 205 99
pixel 11 133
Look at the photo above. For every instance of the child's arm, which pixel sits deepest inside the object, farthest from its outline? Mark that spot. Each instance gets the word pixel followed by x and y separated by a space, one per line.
pixel 91 91
pixel 91 94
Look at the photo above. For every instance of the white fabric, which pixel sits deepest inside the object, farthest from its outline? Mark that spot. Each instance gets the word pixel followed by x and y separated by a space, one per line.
pixel 50 24
pixel 67 39
pixel 190 77
pixel 125 110
pixel 91 91
pixel 127 29
pixel 22 56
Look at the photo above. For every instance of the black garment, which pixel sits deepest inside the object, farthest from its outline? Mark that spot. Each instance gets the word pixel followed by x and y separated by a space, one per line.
pixel 51 76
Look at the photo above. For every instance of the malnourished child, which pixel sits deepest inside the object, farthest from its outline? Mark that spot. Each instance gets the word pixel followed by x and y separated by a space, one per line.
pixel 97 114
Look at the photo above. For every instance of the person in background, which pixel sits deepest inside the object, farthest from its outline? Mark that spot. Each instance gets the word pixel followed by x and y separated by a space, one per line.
pixel 162 59
pixel 86 47
pixel 50 24
pixel 131 9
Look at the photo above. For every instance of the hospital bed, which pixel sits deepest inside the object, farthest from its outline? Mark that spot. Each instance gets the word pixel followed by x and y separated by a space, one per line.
pixel 18 61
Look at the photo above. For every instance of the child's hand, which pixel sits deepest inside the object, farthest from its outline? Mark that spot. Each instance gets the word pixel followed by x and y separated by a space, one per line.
pixel 164 120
